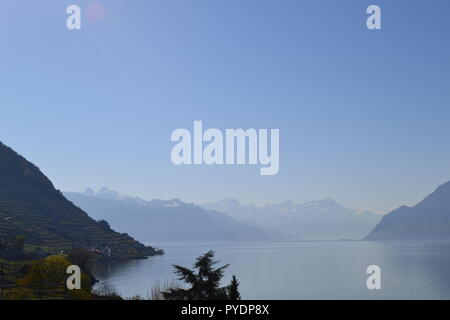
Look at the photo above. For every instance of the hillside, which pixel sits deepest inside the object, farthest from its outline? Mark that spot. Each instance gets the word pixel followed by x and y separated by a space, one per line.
pixel 160 220
pixel 429 219
pixel 31 206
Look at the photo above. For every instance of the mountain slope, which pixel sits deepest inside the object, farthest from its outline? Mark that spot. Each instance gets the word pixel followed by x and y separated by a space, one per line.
pixel 314 220
pixel 32 207
pixel 160 220
pixel 429 219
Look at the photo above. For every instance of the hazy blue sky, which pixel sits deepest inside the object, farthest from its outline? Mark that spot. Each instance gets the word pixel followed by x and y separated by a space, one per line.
pixel 363 115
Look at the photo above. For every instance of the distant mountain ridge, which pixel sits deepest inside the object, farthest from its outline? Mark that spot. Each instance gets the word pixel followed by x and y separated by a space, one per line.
pixel 164 220
pixel 429 219
pixel 314 220
pixel 31 206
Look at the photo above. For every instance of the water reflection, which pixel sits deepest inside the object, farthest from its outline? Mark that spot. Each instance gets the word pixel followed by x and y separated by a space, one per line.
pixel 302 270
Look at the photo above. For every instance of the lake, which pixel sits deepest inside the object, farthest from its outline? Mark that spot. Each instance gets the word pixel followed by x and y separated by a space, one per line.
pixel 301 270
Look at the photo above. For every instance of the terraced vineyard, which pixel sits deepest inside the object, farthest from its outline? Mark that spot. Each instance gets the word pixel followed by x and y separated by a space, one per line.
pixel 32 207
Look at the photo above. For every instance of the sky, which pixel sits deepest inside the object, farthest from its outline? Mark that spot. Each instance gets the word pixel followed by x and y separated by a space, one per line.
pixel 363 114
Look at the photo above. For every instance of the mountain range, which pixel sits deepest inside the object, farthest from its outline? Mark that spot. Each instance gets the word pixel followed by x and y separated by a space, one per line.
pixel 163 220
pixel 429 219
pixel 314 220
pixel 30 206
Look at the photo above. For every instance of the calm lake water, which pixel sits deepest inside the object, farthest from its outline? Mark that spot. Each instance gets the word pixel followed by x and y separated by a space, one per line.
pixel 301 270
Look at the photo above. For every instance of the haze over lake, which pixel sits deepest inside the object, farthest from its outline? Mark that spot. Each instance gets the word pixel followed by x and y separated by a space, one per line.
pixel 301 270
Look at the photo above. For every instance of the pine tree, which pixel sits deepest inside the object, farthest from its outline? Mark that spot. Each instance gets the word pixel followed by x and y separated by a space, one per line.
pixel 233 290
pixel 204 284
